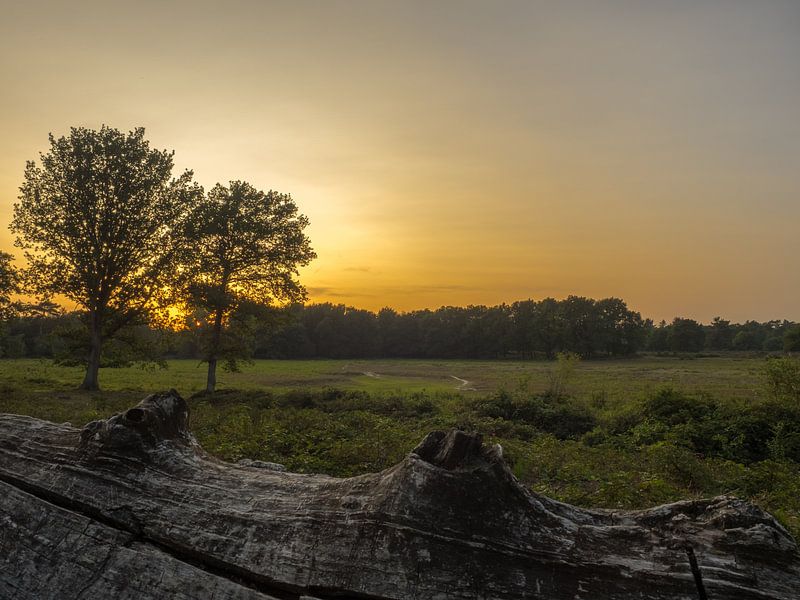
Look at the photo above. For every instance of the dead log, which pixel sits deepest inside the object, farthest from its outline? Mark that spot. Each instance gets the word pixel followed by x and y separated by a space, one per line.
pixel 131 507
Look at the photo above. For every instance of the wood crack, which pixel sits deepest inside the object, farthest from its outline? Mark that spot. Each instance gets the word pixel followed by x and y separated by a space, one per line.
pixel 212 566
pixel 698 576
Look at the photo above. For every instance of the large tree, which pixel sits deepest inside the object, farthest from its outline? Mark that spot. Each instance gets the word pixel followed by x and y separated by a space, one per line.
pixel 98 223
pixel 247 245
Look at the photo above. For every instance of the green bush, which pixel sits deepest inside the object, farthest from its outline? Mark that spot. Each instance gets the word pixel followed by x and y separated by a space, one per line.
pixel 783 378
pixel 745 434
pixel 671 407
pixel 560 416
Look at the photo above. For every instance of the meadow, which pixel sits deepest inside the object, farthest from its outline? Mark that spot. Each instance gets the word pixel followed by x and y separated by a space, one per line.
pixel 609 433
pixel 617 380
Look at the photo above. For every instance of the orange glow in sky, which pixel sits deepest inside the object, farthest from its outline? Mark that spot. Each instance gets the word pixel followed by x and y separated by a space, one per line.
pixel 458 152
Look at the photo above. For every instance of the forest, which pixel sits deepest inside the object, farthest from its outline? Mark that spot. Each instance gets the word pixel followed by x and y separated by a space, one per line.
pixel 521 330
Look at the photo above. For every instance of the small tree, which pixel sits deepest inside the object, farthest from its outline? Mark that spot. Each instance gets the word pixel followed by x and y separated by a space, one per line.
pixel 98 220
pixel 247 245
pixel 561 373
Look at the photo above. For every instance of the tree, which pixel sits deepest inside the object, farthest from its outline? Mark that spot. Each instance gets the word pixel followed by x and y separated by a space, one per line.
pixel 621 330
pixel 246 245
pixel 33 325
pixel 97 221
pixel 9 284
pixel 523 320
pixel 581 320
pixel 550 325
pixel 746 339
pixel 658 337
pixel 791 339
pixel 719 335
pixel 686 335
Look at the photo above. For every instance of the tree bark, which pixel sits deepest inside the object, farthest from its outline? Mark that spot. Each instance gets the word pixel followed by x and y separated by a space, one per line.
pixel 131 507
pixel 91 379
pixel 211 381
pixel 216 334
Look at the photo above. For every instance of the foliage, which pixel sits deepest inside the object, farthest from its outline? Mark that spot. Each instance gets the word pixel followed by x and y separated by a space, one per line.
pixel 561 373
pixel 135 343
pixel 551 412
pixel 744 434
pixel 522 330
pixel 97 221
pixel 719 334
pixel 791 339
pixel 783 378
pixel 9 284
pixel 558 417
pixel 685 335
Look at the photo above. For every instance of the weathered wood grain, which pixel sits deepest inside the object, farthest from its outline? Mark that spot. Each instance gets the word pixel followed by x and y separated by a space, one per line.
pixel 132 507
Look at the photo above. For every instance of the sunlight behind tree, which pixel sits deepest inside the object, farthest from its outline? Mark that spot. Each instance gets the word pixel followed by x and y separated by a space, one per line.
pixel 98 222
pixel 246 248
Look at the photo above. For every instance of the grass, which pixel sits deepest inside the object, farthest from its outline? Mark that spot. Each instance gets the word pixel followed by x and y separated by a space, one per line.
pixel 614 380
pixel 348 417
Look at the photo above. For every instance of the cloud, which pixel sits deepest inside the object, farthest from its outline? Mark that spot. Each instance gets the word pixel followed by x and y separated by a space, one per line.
pixel 335 292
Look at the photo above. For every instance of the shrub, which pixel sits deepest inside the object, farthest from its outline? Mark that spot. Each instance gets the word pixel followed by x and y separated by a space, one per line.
pixel 561 373
pixel 557 415
pixel 672 407
pixel 783 378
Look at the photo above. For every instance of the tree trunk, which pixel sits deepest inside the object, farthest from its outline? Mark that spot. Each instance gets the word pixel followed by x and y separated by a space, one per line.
pixel 90 380
pixel 211 381
pixel 216 334
pixel 132 507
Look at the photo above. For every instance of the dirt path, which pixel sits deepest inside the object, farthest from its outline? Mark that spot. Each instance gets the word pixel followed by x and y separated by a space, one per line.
pixel 464 383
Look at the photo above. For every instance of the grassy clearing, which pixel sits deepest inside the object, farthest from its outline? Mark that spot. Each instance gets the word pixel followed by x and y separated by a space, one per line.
pixel 615 440
pixel 614 380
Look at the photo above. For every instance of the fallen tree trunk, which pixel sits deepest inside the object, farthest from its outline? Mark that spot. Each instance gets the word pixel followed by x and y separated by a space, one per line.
pixel 132 507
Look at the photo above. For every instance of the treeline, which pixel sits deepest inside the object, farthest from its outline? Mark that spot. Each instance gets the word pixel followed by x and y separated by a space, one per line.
pixel 523 329
pixel 526 329
pixel 687 335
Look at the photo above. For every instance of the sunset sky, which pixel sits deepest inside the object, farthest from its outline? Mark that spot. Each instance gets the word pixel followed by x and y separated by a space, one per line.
pixel 458 152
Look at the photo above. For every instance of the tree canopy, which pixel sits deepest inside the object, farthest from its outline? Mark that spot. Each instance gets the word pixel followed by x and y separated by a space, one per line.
pixel 98 221
pixel 246 246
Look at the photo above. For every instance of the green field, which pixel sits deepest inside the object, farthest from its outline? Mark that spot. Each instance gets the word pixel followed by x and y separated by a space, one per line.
pixel 624 433
pixel 617 380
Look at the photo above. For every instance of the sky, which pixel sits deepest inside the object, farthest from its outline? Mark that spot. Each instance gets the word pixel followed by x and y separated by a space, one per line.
pixel 457 152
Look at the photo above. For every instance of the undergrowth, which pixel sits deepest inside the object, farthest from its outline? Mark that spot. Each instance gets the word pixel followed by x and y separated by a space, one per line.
pixel 659 446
